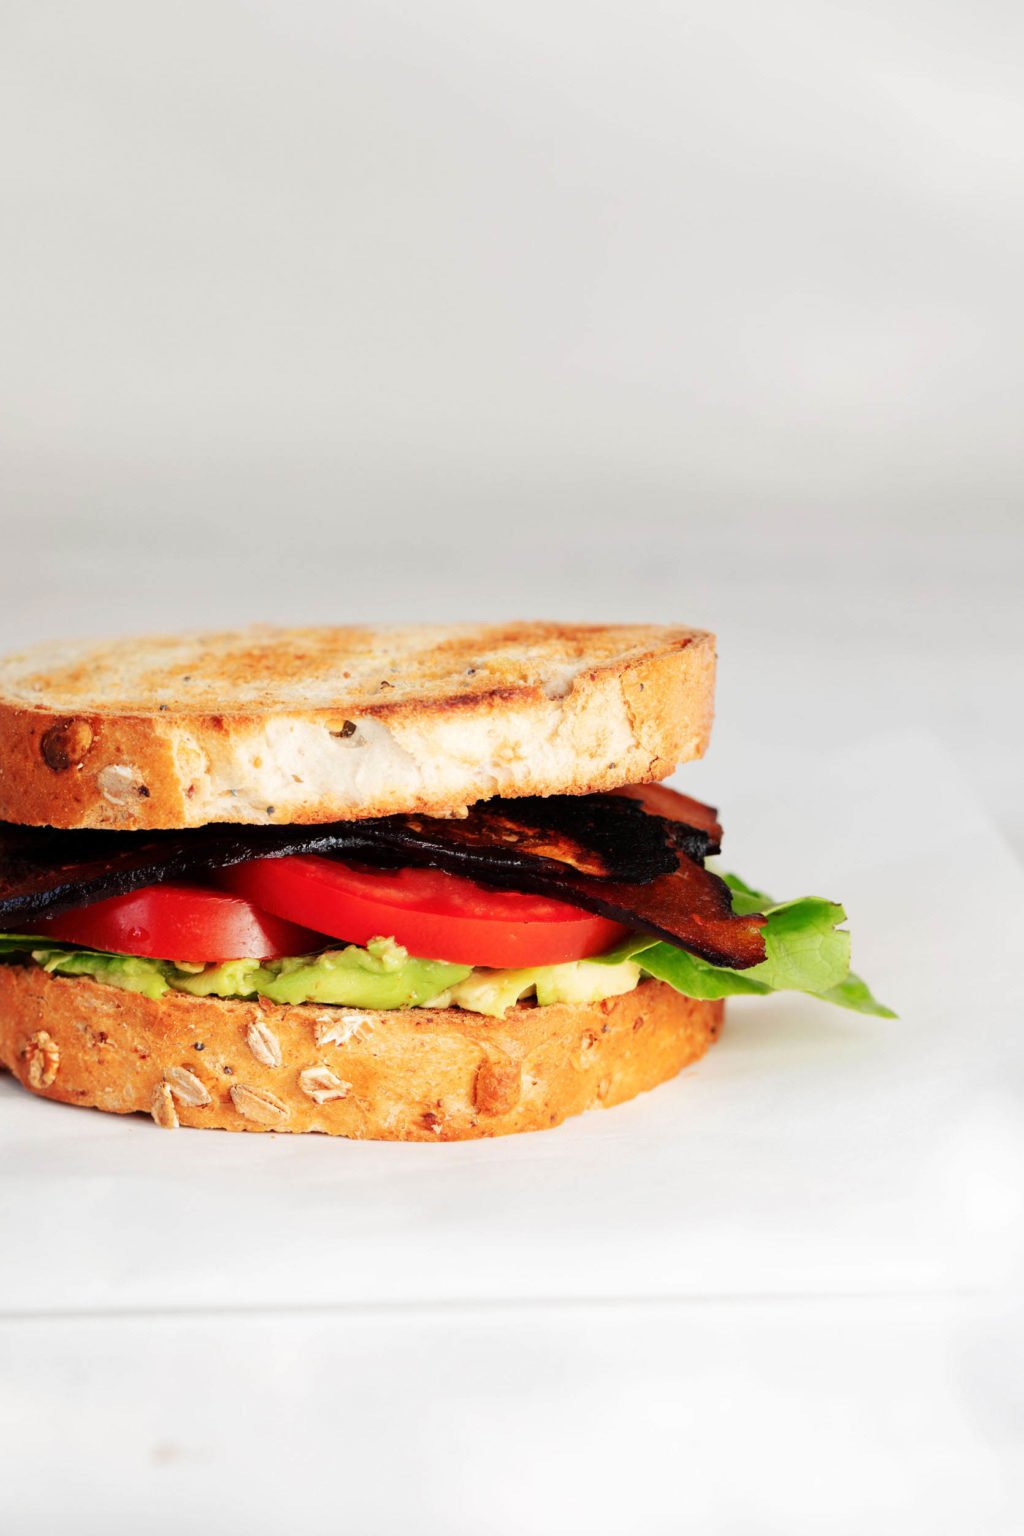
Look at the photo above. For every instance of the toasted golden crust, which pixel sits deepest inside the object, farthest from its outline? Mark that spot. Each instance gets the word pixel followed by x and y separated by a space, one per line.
pixel 310 725
pixel 419 1074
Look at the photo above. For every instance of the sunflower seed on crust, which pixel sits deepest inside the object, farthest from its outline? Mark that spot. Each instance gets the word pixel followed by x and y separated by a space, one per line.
pixel 259 1105
pixel 162 1108
pixel 186 1087
pixel 263 1043
pixel 339 1028
pixel 320 1084
pixel 42 1059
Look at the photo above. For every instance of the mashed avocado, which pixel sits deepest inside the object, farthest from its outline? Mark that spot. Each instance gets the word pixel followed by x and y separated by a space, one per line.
pixel 383 975
pixel 578 981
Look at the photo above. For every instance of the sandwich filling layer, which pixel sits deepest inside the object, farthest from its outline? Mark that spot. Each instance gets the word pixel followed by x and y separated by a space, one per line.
pixel 570 899
pixel 806 951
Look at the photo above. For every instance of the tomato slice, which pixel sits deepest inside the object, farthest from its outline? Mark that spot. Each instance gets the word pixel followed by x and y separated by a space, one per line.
pixel 181 922
pixel 436 916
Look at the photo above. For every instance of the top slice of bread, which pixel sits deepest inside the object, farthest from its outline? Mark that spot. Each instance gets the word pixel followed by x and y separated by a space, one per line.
pixel 309 725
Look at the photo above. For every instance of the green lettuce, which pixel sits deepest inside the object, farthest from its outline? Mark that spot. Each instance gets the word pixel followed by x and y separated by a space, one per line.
pixel 806 951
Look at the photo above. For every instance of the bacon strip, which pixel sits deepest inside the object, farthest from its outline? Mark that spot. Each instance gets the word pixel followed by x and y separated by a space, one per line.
pixel 660 800
pixel 683 903
pixel 624 856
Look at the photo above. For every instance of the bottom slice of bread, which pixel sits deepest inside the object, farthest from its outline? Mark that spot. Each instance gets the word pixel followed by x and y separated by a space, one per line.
pixel 419 1074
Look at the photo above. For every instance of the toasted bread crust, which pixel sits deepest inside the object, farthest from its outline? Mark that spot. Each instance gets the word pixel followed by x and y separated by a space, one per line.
pixel 406 1075
pixel 314 725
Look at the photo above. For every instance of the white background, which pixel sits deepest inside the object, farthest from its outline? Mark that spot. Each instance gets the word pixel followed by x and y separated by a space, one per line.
pixel 707 313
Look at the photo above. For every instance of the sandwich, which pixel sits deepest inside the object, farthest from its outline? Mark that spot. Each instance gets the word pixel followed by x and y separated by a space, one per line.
pixel 419 884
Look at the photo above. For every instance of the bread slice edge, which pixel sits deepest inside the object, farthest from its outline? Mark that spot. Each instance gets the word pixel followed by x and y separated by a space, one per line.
pixel 623 722
pixel 400 1075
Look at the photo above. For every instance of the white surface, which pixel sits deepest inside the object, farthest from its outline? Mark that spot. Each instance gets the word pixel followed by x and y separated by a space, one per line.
pixel 805 1255
pixel 812 1151
pixel 890 1416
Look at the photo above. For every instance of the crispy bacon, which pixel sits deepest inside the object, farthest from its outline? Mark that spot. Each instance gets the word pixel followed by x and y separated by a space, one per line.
pixel 608 836
pixel 637 858
pixel 660 800
pixel 676 898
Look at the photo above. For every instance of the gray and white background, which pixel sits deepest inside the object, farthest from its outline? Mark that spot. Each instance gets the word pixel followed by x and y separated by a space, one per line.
pixel 708 313
pixel 330 310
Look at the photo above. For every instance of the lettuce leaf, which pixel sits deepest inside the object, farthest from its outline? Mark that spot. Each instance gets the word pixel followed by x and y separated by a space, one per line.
pixel 807 951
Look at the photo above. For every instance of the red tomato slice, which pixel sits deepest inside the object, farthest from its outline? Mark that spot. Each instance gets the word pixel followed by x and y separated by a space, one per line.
pixel 436 916
pixel 181 922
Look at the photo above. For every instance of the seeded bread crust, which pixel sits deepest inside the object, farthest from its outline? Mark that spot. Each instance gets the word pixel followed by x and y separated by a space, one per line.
pixel 419 1074
pixel 312 725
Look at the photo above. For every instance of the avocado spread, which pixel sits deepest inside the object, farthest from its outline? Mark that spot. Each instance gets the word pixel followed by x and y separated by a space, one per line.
pixel 383 975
